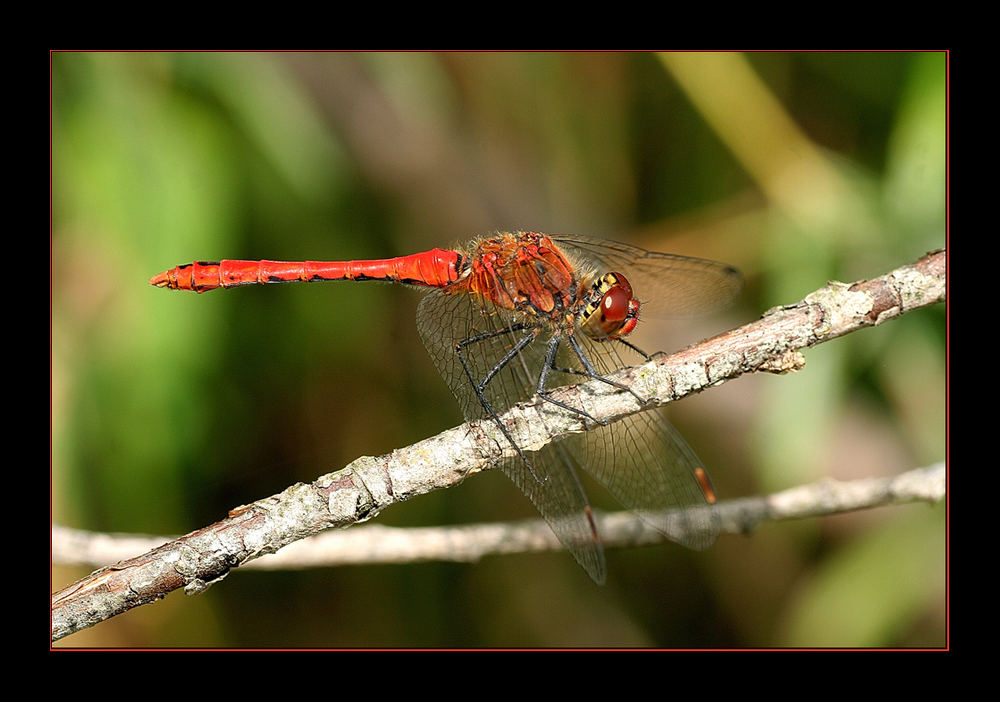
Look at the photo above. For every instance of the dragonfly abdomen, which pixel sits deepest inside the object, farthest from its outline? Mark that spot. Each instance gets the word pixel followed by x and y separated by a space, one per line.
pixel 434 268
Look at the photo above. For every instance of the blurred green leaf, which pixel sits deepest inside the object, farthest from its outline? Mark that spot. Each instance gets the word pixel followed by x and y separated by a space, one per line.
pixel 873 591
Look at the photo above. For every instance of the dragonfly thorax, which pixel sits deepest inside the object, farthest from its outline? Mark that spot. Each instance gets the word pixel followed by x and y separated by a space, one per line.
pixel 524 273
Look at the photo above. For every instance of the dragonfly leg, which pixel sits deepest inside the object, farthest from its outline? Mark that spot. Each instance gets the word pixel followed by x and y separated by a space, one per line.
pixel 637 349
pixel 590 372
pixel 480 386
pixel 549 365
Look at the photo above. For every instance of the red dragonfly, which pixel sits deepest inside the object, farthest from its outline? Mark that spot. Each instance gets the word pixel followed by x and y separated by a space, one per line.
pixel 516 315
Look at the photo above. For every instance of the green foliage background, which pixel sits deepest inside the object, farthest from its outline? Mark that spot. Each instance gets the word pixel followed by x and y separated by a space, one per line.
pixel 168 409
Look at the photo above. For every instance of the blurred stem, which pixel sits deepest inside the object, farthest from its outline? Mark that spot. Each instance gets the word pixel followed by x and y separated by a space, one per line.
pixel 749 119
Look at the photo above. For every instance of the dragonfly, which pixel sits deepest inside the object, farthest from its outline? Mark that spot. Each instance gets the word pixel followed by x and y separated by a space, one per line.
pixel 515 315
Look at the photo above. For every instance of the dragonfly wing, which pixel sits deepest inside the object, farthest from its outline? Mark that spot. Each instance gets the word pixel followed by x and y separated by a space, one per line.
pixel 553 486
pixel 487 334
pixel 646 464
pixel 667 285
pixel 649 467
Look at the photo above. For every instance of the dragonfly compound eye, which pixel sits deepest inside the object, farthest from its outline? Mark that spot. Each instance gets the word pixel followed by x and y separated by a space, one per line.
pixel 614 306
pixel 615 313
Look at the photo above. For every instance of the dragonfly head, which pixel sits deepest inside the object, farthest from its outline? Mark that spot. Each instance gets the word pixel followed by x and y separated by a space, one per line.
pixel 611 311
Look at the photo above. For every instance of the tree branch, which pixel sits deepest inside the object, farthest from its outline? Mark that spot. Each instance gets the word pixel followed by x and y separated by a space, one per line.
pixel 362 489
pixel 377 544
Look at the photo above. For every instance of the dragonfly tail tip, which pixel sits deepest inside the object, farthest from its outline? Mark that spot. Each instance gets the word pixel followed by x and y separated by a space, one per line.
pixel 160 280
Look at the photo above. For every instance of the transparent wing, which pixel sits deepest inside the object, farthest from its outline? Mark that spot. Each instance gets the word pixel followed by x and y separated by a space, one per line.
pixel 487 335
pixel 642 459
pixel 667 285
pixel 648 466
